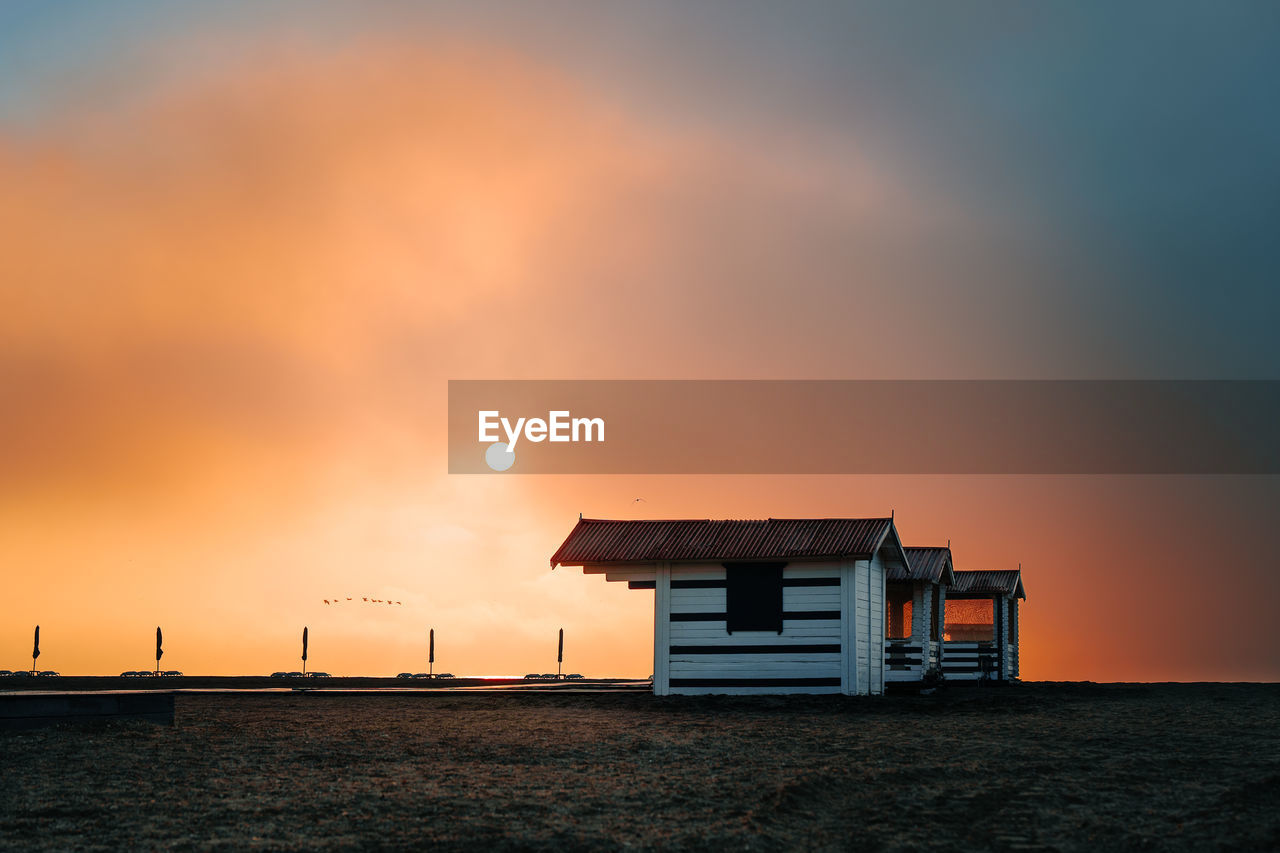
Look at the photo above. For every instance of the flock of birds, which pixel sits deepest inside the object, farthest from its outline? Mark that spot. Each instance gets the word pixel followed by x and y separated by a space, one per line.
pixel 367 600
pixel 385 601
pixel 364 599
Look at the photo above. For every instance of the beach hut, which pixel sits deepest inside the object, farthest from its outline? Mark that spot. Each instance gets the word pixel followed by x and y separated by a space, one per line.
pixel 914 613
pixel 753 606
pixel 980 632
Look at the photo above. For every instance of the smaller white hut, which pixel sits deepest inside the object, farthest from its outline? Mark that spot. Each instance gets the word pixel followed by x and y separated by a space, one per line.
pixel 914 613
pixel 980 632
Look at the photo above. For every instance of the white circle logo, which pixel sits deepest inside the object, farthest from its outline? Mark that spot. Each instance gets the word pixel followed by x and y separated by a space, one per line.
pixel 499 457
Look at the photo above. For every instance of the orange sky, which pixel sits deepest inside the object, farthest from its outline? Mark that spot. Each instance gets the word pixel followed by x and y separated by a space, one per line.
pixel 232 302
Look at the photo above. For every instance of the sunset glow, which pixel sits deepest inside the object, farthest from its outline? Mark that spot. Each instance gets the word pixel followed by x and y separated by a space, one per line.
pixel 236 274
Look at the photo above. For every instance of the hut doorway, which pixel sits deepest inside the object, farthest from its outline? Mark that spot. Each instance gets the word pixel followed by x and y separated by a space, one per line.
pixel 897 623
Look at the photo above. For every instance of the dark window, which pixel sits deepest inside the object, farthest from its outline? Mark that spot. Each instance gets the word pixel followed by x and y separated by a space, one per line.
pixel 753 596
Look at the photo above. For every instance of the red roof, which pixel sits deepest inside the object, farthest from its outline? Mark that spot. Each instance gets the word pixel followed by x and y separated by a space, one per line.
pixel 931 564
pixel 990 582
pixel 604 541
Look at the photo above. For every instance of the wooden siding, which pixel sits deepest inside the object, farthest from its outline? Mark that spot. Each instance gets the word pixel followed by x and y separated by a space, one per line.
pixel 832 638
pixel 907 659
pixel 904 660
pixel 700 656
pixel 863 625
pixel 1013 638
pixel 875 586
pixel 662 630
pixel 998 618
pixel 960 661
pixel 857 627
pixel 939 653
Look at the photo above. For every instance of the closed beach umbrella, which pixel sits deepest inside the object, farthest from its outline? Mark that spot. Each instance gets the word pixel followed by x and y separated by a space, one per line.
pixel 304 648
pixel 35 649
pixel 560 652
pixel 431 647
pixel 159 644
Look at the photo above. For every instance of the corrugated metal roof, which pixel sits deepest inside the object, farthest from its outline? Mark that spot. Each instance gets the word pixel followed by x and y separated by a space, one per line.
pixel 605 541
pixel 929 564
pixel 990 582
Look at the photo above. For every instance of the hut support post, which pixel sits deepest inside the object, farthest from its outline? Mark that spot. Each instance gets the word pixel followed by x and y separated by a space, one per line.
pixel 997 611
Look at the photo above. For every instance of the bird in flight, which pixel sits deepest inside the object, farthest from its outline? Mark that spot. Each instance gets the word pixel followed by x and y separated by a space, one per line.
pixel 366 599
pixel 639 500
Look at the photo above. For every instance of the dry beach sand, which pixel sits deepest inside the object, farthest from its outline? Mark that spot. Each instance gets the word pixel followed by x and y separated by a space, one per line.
pixel 1037 766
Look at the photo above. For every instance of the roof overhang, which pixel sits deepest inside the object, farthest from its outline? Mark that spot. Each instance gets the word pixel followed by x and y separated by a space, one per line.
pixel 606 543
pixel 894 542
pixel 928 561
pixel 1001 582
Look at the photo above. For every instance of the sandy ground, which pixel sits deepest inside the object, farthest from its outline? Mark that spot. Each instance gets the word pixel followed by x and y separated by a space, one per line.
pixel 1064 767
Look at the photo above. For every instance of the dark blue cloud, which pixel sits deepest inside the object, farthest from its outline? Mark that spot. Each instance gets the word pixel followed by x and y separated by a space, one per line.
pixel 1126 153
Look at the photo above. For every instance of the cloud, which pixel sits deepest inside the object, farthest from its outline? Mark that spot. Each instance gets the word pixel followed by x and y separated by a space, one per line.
pixel 217 266
pixel 274 260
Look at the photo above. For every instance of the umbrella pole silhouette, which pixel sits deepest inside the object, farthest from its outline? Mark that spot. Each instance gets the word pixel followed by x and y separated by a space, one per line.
pixel 560 654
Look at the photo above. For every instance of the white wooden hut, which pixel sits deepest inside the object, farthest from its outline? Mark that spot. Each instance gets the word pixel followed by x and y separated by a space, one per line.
pixel 980 634
pixel 765 606
pixel 915 614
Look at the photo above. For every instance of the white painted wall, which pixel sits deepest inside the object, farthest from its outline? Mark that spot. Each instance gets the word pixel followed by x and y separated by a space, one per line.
pixel 858 630
pixel 863 585
pixel 780 664
pixel 662 629
pixel 875 586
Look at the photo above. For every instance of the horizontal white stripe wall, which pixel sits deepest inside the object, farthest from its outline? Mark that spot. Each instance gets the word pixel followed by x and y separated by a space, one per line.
pixel 793 599
pixel 733 666
pixel 793 631
pixel 959 659
pixel 894 650
pixel 754 691
pixel 696 571
pixel 856 602
pixel 757 665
